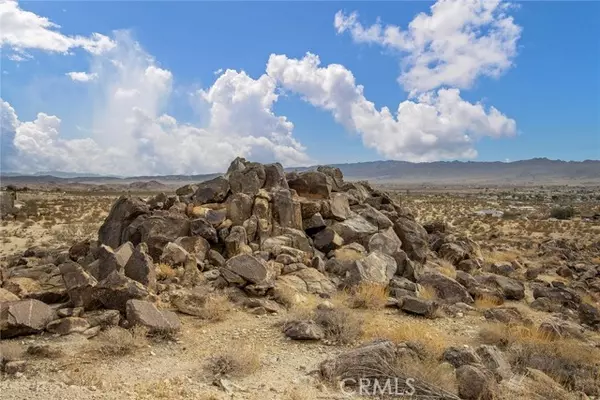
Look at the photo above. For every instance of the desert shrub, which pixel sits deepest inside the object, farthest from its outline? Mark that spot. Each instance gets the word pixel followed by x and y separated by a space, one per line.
pixel 165 271
pixel 239 362
pixel 560 212
pixel 340 325
pixel 116 341
pixel 368 295
pixel 216 307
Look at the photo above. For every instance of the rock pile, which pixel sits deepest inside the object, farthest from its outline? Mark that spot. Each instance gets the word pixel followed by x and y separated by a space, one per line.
pixel 268 235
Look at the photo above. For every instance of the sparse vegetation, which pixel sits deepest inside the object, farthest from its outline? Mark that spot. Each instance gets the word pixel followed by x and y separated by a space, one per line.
pixel 118 342
pixel 239 362
pixel 368 295
pixel 566 212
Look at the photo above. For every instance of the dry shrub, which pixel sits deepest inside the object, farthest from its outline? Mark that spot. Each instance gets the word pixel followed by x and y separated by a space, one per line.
pixel 432 340
pixel 84 376
pixel 486 301
pixel 165 271
pixel 234 363
pixel 446 268
pixel 166 389
pixel 340 325
pixel 427 292
pixel 44 351
pixel 116 341
pixel 216 307
pixel 368 295
pixel 565 360
pixel 500 256
pixel 11 351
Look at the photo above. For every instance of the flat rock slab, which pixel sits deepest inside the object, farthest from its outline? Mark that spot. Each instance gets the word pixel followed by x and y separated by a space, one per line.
pixel 140 312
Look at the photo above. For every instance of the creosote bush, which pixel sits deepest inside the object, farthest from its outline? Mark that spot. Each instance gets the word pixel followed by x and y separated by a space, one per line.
pixel 561 212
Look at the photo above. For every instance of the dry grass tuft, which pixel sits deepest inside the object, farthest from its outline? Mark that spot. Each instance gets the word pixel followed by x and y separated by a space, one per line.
pixel 427 293
pixel 165 271
pixel 368 295
pixel 501 256
pixel 167 389
pixel 432 340
pixel 239 362
pixel 340 324
pixel 487 301
pixel 116 341
pixel 11 351
pixel 446 268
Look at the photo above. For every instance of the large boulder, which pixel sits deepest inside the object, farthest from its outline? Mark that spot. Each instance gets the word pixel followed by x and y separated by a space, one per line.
pixel 355 229
pixel 212 191
pixel 248 180
pixel 287 211
pixel 24 317
pixel 140 267
pixel 336 175
pixel 558 294
pixel 200 227
pixel 110 260
pixel 275 177
pixel 236 241
pixel 413 237
pixel 311 184
pixel 303 330
pixel 174 254
pixel 68 325
pixel 373 216
pixel 245 268
pixel 446 288
pixel 474 383
pixel 116 289
pixel 512 289
pixel 239 208
pixel 328 240
pixel 123 212
pixel 41 282
pixel 376 268
pixel 144 313
pixel 164 224
pixel 195 245
pixel 79 283
pixel 337 208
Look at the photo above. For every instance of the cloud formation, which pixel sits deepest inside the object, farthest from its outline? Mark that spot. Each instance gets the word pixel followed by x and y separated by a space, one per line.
pixel 439 125
pixel 82 76
pixel 23 30
pixel 130 133
pixel 457 43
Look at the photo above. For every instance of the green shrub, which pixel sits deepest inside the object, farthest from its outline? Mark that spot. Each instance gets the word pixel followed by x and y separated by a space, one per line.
pixel 562 212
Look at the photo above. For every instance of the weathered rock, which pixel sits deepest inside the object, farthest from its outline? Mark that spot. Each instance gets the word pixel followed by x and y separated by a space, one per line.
pixel 327 240
pixel 212 191
pixel 65 326
pixel 417 306
pixel 103 318
pixel 338 207
pixel 506 315
pixel 413 237
pixel 79 249
pixel 336 175
pixel 197 246
pixel 475 384
pixel 311 184
pixel 202 228
pixel 446 288
pixel 305 281
pixel 113 260
pixel 140 267
pixel 378 352
pixel 589 315
pixel 123 212
pixel 558 294
pixel 511 288
pixel 314 224
pixel 287 212
pixel 355 229
pixel 14 367
pixel 79 283
pixel 116 289
pixel 235 241
pixel 303 330
pixel 468 266
pixel 376 268
pixel 248 180
pixel 459 356
pixel 247 267
pixel 186 190
pixel 163 224
pixel 173 254
pixel 216 258
pixel 144 313
pixel 239 208
pixel 386 242
pixel 275 177
pixel 494 361
pixel 373 216
pixel 7 296
pixel 24 317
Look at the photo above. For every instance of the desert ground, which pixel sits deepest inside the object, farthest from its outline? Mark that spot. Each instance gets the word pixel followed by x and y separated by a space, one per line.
pixel 232 349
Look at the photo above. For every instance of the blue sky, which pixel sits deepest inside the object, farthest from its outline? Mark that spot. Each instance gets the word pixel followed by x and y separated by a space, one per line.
pixel 543 78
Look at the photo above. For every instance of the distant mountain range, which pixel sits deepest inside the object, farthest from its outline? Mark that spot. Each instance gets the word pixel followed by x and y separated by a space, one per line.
pixel 537 171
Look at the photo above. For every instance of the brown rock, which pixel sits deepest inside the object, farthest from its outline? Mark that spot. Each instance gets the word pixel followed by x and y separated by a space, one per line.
pixel 146 314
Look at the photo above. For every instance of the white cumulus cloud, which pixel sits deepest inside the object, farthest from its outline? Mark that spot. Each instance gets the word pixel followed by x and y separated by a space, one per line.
pixel 22 30
pixel 132 135
pixel 454 45
pixel 439 125
pixel 82 76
